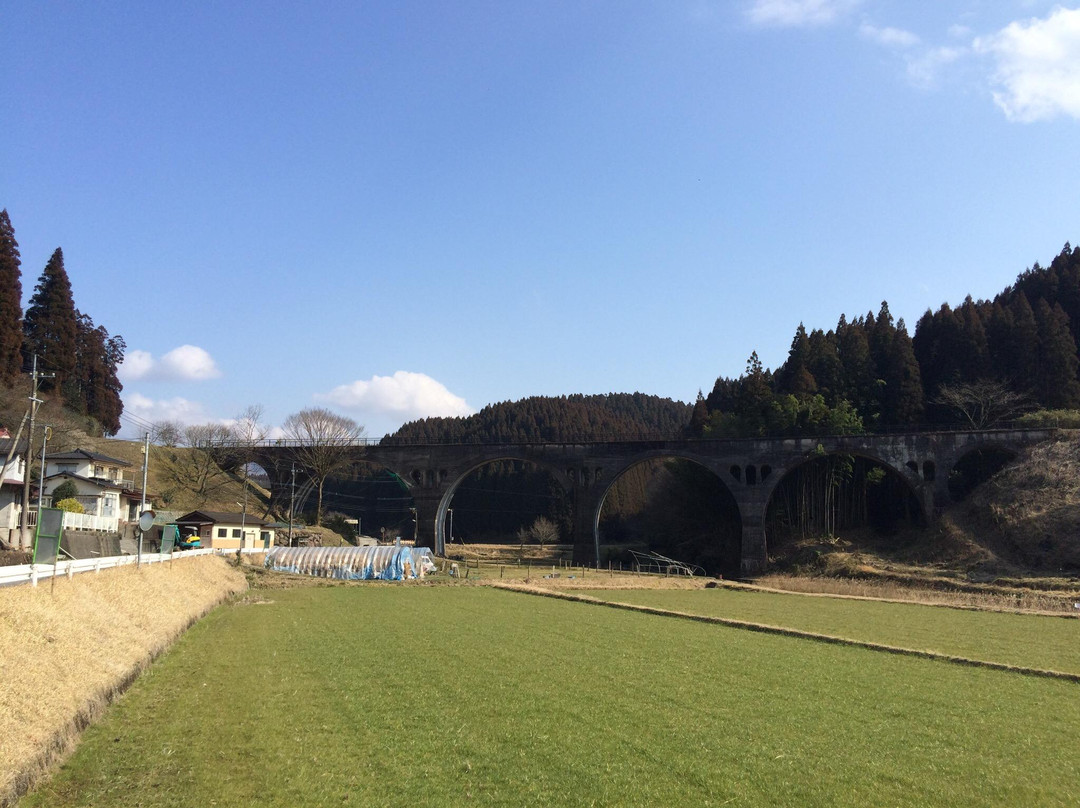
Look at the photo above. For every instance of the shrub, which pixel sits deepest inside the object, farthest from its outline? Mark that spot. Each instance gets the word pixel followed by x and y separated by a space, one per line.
pixel 70 504
pixel 1064 419
pixel 66 490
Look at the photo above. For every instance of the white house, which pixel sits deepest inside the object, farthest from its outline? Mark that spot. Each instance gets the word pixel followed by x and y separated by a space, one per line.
pixel 227 530
pixel 105 488
pixel 11 488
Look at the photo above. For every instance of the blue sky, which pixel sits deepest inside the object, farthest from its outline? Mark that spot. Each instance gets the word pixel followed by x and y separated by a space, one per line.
pixel 399 209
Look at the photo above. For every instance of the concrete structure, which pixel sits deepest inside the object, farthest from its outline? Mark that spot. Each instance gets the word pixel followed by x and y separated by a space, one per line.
pixel 228 530
pixel 749 468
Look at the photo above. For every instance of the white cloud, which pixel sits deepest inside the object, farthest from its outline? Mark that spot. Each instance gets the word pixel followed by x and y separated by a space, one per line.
pixel 923 69
pixel 404 395
pixel 1038 66
pixel 798 12
pixel 186 363
pixel 889 37
pixel 177 409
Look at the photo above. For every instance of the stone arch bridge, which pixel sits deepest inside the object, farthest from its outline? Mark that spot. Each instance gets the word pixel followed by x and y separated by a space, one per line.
pixel 750 469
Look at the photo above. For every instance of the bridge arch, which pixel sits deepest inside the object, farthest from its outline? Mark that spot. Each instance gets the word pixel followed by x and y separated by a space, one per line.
pixel 454 481
pixel 975 464
pixel 710 491
pixel 834 485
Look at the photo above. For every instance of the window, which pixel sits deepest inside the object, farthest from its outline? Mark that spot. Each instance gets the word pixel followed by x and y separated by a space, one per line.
pixel 99 471
pixel 236 533
pixel 222 532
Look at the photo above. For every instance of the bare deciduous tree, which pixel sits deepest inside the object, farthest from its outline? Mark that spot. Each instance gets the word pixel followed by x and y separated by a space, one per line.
pixel 325 443
pixel 217 453
pixel 166 433
pixel 983 403
pixel 542 531
pixel 198 469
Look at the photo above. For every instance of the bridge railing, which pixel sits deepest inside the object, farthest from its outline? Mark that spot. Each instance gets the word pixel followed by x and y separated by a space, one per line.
pixel 644 437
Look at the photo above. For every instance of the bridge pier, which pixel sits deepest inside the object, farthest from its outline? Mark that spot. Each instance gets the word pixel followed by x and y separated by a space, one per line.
pixel 585 514
pixel 427 503
pixel 754 557
pixel 752 501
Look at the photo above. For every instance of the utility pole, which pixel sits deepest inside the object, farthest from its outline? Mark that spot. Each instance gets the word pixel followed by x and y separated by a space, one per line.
pixel 142 502
pixel 292 498
pixel 24 517
pixel 243 520
pixel 45 435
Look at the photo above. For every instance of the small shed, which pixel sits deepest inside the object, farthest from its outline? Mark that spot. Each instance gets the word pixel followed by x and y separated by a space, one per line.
pixel 227 530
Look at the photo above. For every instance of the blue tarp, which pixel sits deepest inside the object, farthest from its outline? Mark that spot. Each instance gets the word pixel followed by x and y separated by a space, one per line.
pixel 385 563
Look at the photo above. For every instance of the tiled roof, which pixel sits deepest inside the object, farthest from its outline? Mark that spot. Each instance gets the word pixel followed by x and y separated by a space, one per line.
pixel 219 517
pixel 82 454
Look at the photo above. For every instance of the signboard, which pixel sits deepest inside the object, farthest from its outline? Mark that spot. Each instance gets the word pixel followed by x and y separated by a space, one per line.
pixel 169 535
pixel 50 525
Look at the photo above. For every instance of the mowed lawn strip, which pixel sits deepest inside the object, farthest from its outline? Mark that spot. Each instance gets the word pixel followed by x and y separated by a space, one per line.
pixel 1026 640
pixel 383 695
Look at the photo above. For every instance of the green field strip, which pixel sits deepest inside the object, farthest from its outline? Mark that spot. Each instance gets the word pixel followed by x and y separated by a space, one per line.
pixel 381 695
pixel 1040 644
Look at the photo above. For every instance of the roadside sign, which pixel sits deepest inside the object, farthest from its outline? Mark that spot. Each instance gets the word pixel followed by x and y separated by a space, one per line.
pixel 146 520
pixel 50 526
pixel 169 536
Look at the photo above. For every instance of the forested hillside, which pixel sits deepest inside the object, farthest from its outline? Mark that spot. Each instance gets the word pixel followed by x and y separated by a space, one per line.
pixel 78 360
pixel 577 417
pixel 974 365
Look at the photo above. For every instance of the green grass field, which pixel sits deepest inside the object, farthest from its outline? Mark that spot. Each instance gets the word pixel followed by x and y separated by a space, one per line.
pixel 1034 641
pixel 444 695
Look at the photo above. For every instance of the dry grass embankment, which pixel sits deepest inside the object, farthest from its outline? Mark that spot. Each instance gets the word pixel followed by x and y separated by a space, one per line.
pixel 1029 512
pixel 176 474
pixel 66 651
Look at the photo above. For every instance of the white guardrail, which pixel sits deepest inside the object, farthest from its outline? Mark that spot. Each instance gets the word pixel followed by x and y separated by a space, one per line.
pixel 32 573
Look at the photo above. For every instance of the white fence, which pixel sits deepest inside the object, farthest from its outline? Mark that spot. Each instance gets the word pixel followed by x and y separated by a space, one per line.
pixel 87 521
pixel 32 573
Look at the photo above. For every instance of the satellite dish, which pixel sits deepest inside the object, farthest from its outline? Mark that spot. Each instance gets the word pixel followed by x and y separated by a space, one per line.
pixel 146 520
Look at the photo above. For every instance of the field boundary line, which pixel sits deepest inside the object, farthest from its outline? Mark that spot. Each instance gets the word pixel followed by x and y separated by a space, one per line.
pixel 962 607
pixel 764 628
